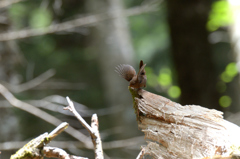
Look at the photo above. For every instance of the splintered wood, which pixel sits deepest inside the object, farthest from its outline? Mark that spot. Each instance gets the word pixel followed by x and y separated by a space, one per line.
pixel 185 132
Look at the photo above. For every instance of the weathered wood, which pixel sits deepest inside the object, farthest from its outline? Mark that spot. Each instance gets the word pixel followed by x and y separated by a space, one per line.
pixel 184 132
pixel 34 148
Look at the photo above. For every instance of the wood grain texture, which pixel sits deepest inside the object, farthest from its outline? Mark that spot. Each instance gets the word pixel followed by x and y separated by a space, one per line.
pixel 178 131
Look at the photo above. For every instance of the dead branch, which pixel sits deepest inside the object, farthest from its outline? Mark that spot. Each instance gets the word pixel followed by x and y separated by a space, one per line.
pixel 96 137
pixel 72 109
pixel 141 154
pixel 126 143
pixel 58 153
pixel 84 21
pixel 60 85
pixel 6 3
pixel 42 115
pixel 34 147
pixel 183 131
pixel 93 129
pixel 57 106
pixel 30 84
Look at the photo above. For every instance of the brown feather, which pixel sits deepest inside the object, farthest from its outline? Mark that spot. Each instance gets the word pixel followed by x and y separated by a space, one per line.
pixel 142 71
pixel 126 71
pixel 140 64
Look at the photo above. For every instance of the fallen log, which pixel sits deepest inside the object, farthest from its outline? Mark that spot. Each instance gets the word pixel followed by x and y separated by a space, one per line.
pixel 175 131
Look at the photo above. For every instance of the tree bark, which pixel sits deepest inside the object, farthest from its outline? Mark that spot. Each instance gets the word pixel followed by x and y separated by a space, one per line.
pixel 178 131
pixel 113 46
pixel 191 50
pixel 112 43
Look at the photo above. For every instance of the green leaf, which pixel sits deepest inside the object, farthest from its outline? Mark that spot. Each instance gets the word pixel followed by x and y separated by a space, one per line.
pixel 220 15
pixel 164 77
pixel 151 77
pixel 230 72
pixel 225 101
pixel 40 18
pixel 174 91
pixel 17 13
pixel 231 69
pixel 226 78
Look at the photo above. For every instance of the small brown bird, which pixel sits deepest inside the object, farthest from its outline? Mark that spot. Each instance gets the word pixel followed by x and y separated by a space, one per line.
pixel 128 72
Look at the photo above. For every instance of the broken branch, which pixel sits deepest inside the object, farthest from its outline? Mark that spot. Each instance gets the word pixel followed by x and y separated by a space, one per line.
pixel 93 129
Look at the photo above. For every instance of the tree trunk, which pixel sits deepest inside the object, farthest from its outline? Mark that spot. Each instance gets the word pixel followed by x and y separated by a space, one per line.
pixel 191 50
pixel 112 44
pixel 178 131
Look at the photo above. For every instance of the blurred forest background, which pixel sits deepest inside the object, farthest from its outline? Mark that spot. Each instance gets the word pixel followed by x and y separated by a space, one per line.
pixel 58 48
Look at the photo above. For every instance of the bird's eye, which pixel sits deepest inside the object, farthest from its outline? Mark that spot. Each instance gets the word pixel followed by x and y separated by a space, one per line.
pixel 142 73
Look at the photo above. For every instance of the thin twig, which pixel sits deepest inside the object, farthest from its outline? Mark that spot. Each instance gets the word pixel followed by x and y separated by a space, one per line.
pixel 32 83
pixel 93 129
pixel 84 21
pixel 33 147
pixel 58 130
pixel 57 106
pixel 77 115
pixel 6 3
pixel 126 143
pixel 42 115
pixel 36 145
pixel 96 137
pixel 55 84
pixel 141 154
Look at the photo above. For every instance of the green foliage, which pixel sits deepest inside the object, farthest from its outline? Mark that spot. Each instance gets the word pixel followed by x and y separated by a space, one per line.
pixel 230 72
pixel 152 80
pixel 151 42
pixel 164 80
pixel 40 18
pixel 219 16
pixel 231 69
pixel 164 77
pixel 225 101
pixel 227 76
pixel 149 39
pixel 28 14
pixel 174 91
pixel 17 12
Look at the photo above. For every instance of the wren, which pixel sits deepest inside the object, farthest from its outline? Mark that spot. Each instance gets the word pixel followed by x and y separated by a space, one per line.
pixel 128 72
